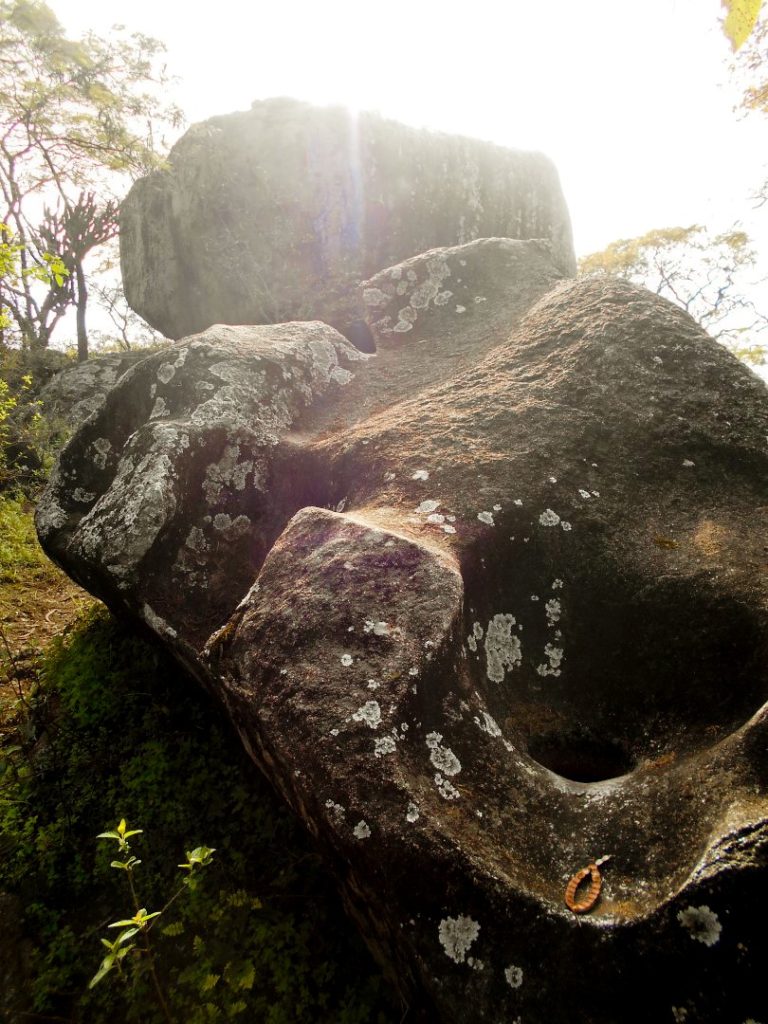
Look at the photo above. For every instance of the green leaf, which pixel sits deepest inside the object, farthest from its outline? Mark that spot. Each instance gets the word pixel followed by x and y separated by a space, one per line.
pixel 125 865
pixel 199 857
pixel 106 966
pixel 139 919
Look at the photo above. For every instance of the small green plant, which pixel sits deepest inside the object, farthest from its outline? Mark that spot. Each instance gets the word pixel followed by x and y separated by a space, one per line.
pixel 258 936
pixel 135 935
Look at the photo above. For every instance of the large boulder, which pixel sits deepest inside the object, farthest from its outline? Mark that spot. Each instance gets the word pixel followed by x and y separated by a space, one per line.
pixel 277 214
pixel 486 606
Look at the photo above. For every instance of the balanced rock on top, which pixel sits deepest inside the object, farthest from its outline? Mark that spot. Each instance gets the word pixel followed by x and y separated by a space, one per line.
pixel 278 213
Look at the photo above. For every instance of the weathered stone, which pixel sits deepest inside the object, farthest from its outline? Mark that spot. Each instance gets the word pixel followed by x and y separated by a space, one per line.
pixel 277 213
pixel 78 390
pixel 480 630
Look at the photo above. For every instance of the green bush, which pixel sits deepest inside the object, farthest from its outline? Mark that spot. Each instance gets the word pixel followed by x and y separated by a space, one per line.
pixel 20 552
pixel 29 440
pixel 119 732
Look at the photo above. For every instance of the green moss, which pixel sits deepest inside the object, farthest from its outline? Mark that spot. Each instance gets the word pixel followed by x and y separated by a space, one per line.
pixel 121 732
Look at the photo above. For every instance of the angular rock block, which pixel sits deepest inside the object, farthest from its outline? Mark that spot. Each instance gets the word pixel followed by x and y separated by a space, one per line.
pixel 486 607
pixel 279 212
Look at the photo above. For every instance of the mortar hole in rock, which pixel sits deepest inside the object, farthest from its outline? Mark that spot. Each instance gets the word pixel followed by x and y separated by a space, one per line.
pixel 581 758
pixel 359 333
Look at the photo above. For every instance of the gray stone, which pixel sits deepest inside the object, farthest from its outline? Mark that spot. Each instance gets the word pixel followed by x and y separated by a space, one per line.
pixel 78 390
pixel 481 627
pixel 279 212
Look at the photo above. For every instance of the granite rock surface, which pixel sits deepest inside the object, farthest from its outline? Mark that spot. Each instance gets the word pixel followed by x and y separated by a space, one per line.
pixel 486 605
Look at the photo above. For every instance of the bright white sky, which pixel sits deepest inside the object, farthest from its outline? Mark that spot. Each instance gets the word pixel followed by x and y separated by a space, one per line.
pixel 632 100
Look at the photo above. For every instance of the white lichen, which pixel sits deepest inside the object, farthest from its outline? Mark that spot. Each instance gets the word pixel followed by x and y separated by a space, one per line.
pixel 554 656
pixel 384 745
pixel 155 622
pixel 412 814
pixel 554 609
pixel 377 628
pixel 231 528
pixel 196 540
pixel 421 474
pixel 549 518
pixel 341 376
pixel 362 830
pixel 86 497
pixel 487 724
pixel 514 976
pixel 428 506
pixel 502 650
pixel 346 660
pixel 337 812
pixel 374 297
pixel 444 759
pixel 369 714
pixel 702 924
pixel 566 526
pixel 486 517
pixel 445 788
pixel 103 446
pixel 456 935
pixel 160 408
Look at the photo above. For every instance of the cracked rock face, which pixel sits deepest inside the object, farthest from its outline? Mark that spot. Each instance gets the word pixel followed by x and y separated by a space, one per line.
pixel 485 606
pixel 279 212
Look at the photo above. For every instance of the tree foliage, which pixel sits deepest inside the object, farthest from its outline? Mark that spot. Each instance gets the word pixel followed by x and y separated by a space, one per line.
pixel 77 120
pixel 751 69
pixel 740 19
pixel 707 275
